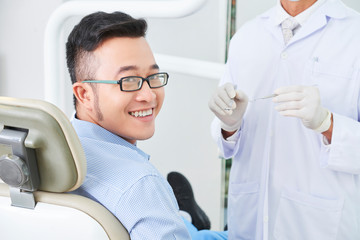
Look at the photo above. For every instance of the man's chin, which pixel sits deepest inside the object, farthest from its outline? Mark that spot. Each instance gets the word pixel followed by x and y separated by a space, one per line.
pixel 145 136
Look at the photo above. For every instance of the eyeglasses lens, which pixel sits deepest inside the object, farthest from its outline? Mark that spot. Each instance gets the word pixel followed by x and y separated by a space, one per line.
pixel 157 80
pixel 135 83
pixel 131 83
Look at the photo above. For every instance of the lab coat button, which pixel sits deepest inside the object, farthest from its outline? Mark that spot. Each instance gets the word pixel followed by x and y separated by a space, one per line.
pixel 284 55
pixel 266 219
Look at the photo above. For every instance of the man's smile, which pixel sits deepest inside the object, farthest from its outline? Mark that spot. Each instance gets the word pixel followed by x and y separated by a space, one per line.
pixel 142 113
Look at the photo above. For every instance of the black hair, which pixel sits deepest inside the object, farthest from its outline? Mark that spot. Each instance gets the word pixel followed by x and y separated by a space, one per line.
pixel 90 32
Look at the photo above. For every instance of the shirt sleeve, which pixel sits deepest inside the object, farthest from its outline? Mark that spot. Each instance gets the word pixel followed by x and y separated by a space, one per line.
pixel 148 210
pixel 228 147
pixel 343 154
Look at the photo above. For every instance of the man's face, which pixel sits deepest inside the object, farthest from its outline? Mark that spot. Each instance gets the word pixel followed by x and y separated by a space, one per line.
pixel 130 115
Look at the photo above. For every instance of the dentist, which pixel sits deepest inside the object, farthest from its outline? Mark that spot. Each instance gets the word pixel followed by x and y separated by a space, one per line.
pixel 295 156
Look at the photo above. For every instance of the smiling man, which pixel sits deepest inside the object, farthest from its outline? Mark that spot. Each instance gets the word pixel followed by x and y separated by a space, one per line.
pixel 118 94
pixel 118 91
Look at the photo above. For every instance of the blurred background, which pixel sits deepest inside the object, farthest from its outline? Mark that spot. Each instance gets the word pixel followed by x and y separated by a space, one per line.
pixel 182 141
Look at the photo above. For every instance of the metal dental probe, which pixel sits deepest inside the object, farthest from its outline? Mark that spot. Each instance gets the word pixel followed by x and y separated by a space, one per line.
pixel 255 99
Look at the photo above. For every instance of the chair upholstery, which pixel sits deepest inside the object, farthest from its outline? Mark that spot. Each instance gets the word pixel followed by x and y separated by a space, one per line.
pixel 61 168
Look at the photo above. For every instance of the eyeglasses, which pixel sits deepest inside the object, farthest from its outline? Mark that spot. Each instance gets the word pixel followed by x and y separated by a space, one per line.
pixel 134 83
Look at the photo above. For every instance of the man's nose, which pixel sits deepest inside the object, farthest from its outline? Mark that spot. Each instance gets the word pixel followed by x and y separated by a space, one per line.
pixel 146 93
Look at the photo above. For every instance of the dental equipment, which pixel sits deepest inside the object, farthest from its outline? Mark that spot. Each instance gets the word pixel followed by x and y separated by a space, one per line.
pixel 260 98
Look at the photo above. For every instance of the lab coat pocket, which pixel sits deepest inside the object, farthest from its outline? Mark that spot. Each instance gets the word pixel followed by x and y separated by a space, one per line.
pixel 301 216
pixel 337 86
pixel 243 203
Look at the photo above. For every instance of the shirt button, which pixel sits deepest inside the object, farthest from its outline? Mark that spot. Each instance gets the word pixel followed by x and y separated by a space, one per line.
pixel 266 219
pixel 284 55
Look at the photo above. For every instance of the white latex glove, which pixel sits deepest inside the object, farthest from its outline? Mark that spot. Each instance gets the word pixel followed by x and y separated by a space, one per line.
pixel 229 106
pixel 303 102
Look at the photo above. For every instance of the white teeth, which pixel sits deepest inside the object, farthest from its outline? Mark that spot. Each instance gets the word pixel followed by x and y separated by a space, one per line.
pixel 141 113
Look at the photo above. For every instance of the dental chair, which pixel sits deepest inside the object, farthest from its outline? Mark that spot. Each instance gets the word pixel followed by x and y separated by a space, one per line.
pixel 41 159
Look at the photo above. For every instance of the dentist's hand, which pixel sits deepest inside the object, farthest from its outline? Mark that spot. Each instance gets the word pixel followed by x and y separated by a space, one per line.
pixel 303 102
pixel 229 106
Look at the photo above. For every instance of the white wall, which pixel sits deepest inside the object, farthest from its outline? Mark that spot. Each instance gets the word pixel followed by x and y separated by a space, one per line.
pixel 22 25
pixel 355 4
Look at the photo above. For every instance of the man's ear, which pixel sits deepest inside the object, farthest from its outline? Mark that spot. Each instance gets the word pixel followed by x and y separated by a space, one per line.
pixel 84 94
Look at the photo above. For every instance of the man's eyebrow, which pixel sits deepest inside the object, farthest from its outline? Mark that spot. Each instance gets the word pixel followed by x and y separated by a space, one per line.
pixel 134 67
pixel 155 66
pixel 127 68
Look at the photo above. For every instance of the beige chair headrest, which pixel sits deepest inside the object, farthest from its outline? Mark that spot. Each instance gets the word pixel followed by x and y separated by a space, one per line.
pixel 60 157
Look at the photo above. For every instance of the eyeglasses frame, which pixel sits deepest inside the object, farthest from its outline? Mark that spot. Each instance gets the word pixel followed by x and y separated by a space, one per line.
pixel 121 79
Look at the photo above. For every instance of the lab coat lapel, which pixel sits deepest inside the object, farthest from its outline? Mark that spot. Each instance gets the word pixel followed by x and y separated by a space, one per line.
pixel 269 23
pixel 315 23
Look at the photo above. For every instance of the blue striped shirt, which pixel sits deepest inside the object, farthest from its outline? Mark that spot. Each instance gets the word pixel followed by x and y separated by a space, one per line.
pixel 120 177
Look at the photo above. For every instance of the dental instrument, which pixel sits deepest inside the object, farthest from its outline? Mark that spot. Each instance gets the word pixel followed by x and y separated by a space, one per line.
pixel 260 98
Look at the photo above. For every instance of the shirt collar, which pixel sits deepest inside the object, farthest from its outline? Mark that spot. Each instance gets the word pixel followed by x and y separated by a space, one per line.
pixel 94 131
pixel 301 18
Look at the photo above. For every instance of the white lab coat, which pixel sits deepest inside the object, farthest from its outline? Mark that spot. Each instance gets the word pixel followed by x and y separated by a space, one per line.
pixel 285 183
